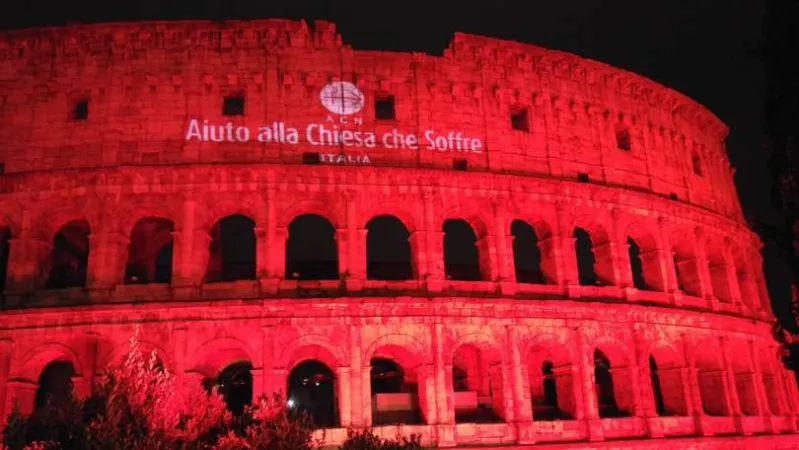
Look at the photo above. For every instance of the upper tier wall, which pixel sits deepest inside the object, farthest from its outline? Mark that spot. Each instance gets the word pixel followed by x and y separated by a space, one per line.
pixel 146 82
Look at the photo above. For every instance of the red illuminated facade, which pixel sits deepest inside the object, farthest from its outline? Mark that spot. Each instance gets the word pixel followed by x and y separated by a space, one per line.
pixel 578 266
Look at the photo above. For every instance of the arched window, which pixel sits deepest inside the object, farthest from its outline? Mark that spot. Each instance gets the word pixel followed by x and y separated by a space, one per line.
pixel 645 262
pixel 584 249
pixel 696 163
pixel 55 384
pixel 551 383
pixel 717 268
pixel 394 394
pixel 483 378
pixel 150 252
pixel 70 256
pixel 746 282
pixel 623 138
pixel 710 374
pixel 657 390
pixel 311 252
pixel 605 392
pixel 235 386
pixel 459 381
pixel 526 254
pixel 232 250
pixel 668 390
pixel 686 266
pixel 461 257
pixel 312 389
pixel 636 265
pixel 5 248
pixel 388 252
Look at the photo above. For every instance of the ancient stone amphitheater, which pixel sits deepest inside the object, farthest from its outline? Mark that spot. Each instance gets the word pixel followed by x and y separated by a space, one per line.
pixel 500 245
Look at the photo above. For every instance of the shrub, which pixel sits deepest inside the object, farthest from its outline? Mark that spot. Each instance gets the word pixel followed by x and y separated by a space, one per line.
pixel 367 440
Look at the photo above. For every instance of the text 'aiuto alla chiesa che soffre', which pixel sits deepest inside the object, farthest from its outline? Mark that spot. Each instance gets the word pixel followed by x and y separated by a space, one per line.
pixel 503 244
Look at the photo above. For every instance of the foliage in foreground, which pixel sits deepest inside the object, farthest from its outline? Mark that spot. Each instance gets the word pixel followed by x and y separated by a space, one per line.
pixel 139 406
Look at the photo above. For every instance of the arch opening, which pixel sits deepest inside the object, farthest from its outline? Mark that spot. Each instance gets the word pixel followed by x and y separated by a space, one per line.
pixel 552 384
pixel 712 382
pixel 311 252
pixel 587 261
pixel 388 251
pixel 5 250
pixel 745 280
pixel 477 379
pixel 235 385
pixel 527 255
pixel 686 267
pixel 771 383
pixel 668 389
pixel 311 389
pixel 395 393
pixel 719 277
pixel 645 263
pixel 55 384
pixel 612 386
pixel 461 256
pixel 231 252
pixel 69 258
pixel 150 252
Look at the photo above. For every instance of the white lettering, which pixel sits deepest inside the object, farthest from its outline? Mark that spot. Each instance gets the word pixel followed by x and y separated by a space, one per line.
pixel 193 131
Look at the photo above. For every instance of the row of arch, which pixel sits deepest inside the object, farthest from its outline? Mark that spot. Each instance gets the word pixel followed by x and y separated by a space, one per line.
pixel 311 253
pixel 480 386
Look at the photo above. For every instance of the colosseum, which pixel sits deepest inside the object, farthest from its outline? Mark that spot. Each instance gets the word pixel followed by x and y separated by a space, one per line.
pixel 501 245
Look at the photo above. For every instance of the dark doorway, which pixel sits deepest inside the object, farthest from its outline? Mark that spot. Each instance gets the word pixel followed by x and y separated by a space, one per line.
pixel 584 250
pixel 526 254
pixel 232 250
pixel 461 257
pixel 235 386
pixel 388 252
pixel 55 384
pixel 311 252
pixel 312 389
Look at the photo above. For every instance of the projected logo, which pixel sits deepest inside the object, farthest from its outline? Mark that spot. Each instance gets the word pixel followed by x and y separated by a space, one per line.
pixel 342 97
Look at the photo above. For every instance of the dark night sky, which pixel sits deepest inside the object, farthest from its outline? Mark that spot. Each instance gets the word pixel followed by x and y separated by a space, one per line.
pixel 698 47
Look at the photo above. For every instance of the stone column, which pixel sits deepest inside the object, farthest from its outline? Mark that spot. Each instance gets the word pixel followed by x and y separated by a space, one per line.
pixel 522 404
pixel 730 387
pixel 5 367
pixel 417 241
pixel 566 256
pixel 757 379
pixel 732 276
pixel 644 396
pixel 435 245
pixel 705 286
pixel 357 259
pixel 445 407
pixel 487 250
pixel 343 250
pixel 694 393
pixel 504 250
pixel 586 380
pixel 670 282
pixel 261 252
pixel 183 243
pixel 360 391
pixel 344 394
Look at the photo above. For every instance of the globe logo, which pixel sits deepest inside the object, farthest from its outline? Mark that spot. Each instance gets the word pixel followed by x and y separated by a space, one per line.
pixel 341 97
